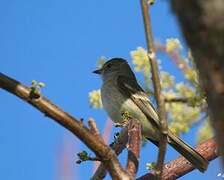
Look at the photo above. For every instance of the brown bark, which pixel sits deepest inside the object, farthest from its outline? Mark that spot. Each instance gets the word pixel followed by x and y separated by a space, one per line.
pixel 134 146
pixel 117 146
pixel 105 153
pixel 157 87
pixel 180 166
pixel 202 22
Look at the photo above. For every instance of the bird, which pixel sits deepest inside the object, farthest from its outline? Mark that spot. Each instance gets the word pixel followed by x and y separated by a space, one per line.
pixel 123 98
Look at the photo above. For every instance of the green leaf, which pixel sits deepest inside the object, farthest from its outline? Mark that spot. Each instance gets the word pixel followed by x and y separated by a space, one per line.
pixel 151 166
pixel 41 84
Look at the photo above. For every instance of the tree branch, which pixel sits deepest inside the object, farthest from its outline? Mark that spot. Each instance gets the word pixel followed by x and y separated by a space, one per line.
pixel 177 100
pixel 117 146
pixel 105 153
pixel 180 166
pixel 106 135
pixel 93 128
pixel 157 88
pixel 203 26
pixel 134 146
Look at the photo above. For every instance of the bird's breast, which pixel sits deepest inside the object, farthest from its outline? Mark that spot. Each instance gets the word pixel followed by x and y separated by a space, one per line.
pixel 114 102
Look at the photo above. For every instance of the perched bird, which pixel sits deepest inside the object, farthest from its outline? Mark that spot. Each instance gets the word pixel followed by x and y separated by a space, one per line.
pixel 123 98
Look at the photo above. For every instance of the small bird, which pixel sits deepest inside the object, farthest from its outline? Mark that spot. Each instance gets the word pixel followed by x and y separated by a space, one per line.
pixel 123 98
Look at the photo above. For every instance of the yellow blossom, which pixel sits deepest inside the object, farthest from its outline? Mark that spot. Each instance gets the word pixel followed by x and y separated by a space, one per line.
pixel 95 99
pixel 170 94
pixel 205 132
pixel 140 60
pixel 167 80
pixel 182 117
pixel 173 44
pixel 191 75
pixel 185 91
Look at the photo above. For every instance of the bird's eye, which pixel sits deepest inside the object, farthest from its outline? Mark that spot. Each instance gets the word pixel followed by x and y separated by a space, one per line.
pixel 109 65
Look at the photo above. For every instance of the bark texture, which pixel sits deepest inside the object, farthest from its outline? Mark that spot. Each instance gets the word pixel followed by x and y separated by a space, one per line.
pixel 202 23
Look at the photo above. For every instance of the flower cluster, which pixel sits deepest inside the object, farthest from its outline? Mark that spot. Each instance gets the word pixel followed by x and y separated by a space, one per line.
pixel 173 44
pixel 95 99
pixel 140 60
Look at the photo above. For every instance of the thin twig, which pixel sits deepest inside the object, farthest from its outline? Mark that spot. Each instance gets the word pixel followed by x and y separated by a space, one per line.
pixel 94 159
pixel 83 157
pixel 180 166
pixel 93 128
pixel 157 88
pixel 106 136
pixel 134 146
pixel 107 130
pixel 106 154
pixel 175 57
pixel 176 100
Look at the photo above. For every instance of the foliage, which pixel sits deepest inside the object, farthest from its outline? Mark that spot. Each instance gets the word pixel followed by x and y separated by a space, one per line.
pixel 150 166
pixel 36 89
pixel 95 99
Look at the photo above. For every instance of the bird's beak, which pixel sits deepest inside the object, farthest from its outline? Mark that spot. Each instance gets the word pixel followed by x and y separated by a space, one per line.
pixel 98 71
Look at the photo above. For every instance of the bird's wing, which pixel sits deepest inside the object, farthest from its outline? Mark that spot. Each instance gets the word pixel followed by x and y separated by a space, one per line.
pixel 130 88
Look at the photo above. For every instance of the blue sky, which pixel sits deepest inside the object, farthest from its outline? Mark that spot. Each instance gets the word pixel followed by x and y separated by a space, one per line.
pixel 58 43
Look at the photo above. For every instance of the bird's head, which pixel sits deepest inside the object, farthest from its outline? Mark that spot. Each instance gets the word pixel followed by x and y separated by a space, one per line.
pixel 113 67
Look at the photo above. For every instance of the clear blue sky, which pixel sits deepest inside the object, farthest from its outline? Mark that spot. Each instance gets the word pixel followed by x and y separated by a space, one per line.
pixel 59 42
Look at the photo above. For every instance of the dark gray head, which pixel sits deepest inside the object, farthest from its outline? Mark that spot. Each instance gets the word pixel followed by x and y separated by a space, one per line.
pixel 112 64
pixel 113 67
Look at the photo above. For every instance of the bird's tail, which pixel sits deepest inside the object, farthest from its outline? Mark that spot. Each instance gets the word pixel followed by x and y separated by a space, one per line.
pixel 188 152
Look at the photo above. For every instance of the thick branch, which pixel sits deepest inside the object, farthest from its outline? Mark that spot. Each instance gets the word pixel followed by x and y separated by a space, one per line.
pixel 117 146
pixel 180 166
pixel 157 87
pixel 105 153
pixel 203 27
pixel 134 146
